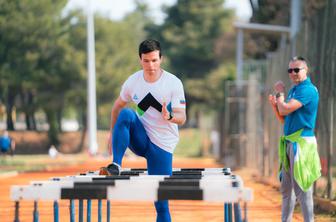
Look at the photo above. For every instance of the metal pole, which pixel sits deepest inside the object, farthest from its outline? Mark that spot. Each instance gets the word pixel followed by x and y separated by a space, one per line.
pixel 230 211
pixel 240 49
pixel 92 115
pixel 56 211
pixel 226 215
pixel 80 211
pixel 17 208
pixel 237 212
pixel 72 211
pixel 35 212
pixel 239 55
pixel 227 212
pixel 108 210
pixel 88 211
pixel 99 210
pixel 295 23
pixel 283 40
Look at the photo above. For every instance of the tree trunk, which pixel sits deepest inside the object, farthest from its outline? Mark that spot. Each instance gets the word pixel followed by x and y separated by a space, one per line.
pixel 53 127
pixel 9 108
pixel 59 120
pixel 28 100
pixel 27 118
pixel 30 119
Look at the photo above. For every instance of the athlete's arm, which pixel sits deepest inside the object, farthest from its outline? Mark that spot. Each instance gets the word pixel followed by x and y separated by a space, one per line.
pixel 179 116
pixel 117 106
pixel 272 101
pixel 287 108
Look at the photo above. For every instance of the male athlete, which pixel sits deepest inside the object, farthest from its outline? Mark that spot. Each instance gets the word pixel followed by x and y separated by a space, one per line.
pixel 151 131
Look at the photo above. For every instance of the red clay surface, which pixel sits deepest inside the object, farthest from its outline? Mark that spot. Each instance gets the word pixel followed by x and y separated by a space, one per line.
pixel 265 207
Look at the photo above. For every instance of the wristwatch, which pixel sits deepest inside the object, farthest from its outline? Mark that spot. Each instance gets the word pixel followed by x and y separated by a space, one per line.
pixel 279 94
pixel 170 116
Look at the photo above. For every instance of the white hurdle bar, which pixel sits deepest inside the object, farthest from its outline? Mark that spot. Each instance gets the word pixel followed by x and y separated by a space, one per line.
pixel 209 184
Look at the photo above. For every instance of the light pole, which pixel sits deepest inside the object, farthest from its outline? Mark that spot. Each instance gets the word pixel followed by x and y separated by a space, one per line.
pixel 91 82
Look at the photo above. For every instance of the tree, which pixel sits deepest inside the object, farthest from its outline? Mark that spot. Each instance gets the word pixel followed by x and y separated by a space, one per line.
pixel 117 56
pixel 190 35
pixel 197 40
pixel 36 60
pixel 273 12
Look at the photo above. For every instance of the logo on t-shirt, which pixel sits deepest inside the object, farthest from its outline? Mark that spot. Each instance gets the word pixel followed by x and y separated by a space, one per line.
pixel 146 102
pixel 135 97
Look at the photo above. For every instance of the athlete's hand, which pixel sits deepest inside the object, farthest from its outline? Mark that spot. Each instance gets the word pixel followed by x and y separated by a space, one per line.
pixel 272 99
pixel 165 113
pixel 279 86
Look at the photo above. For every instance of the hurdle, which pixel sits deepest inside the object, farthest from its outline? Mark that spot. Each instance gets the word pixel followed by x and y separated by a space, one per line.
pixel 204 184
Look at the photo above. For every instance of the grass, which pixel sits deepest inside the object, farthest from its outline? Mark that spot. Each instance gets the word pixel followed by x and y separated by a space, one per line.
pixel 190 144
pixel 23 163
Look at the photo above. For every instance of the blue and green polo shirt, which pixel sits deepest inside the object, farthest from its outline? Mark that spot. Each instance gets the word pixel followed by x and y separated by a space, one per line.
pixel 304 117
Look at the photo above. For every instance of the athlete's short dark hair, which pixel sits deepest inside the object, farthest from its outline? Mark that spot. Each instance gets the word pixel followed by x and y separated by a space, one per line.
pixel 149 45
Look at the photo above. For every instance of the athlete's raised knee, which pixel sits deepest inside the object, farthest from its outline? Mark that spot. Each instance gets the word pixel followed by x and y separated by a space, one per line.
pixel 126 114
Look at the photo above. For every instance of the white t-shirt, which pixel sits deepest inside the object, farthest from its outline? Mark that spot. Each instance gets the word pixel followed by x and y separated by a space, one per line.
pixel 149 98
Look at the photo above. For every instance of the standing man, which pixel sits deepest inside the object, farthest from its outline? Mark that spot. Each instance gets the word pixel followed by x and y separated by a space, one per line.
pixel 151 131
pixel 298 156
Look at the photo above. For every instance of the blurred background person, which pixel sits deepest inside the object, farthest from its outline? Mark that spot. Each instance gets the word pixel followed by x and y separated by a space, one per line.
pixel 7 144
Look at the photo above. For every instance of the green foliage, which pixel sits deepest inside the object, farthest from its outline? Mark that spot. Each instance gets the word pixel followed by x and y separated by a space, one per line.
pixel 116 45
pixel 116 57
pixel 43 60
pixel 43 55
pixel 190 144
pixel 209 91
pixel 36 59
pixel 190 35
pixel 197 41
pixel 273 12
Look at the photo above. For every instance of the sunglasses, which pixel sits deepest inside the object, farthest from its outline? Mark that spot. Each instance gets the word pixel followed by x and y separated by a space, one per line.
pixel 296 70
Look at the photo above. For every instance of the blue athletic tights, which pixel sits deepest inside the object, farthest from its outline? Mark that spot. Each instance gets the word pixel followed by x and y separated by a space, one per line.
pixel 129 132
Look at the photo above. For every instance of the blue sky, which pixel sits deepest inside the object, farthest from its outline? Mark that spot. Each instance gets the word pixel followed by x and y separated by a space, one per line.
pixel 116 9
